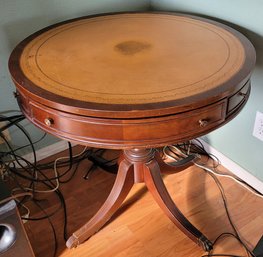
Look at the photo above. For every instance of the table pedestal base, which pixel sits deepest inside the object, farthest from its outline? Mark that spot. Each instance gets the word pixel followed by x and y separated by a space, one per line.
pixel 137 166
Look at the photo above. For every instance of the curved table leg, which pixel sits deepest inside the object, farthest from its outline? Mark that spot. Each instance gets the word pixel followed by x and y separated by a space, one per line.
pixel 122 186
pixel 154 182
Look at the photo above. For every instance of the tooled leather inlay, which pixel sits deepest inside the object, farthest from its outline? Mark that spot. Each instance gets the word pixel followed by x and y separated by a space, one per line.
pixel 132 58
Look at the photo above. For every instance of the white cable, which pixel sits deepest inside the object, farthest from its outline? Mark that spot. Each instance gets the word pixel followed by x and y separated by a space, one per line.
pixel 26 215
pixel 189 147
pixel 15 196
pixel 203 166
pixel 228 176
pixel 56 173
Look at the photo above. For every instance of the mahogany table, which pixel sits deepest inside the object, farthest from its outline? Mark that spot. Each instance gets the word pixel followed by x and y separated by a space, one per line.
pixel 133 81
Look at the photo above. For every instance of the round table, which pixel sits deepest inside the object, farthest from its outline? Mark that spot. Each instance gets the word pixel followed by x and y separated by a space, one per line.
pixel 136 82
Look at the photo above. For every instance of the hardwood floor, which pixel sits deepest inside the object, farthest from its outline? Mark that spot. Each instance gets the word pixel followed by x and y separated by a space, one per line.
pixel 140 228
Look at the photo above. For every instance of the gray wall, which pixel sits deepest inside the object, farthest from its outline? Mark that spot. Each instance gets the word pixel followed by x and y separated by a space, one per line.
pixel 20 18
pixel 234 140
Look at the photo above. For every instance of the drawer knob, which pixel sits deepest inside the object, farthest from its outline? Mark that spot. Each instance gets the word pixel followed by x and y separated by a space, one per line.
pixel 203 123
pixel 16 94
pixel 49 121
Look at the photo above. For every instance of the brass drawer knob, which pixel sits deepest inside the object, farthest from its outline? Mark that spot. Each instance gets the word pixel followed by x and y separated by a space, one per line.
pixel 16 94
pixel 49 121
pixel 203 123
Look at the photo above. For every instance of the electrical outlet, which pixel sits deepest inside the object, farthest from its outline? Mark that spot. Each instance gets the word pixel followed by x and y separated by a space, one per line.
pixel 5 133
pixel 258 126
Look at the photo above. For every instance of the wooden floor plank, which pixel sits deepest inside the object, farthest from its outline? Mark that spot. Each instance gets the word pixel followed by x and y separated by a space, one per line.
pixel 140 228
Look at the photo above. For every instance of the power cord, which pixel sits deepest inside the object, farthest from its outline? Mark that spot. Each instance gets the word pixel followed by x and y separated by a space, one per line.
pixel 237 180
pixel 15 168
pixel 181 151
pixel 236 233
pixel 9 169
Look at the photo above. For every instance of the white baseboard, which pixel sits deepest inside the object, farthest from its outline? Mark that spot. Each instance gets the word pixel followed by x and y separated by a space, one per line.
pixel 235 168
pixel 48 151
pixel 225 161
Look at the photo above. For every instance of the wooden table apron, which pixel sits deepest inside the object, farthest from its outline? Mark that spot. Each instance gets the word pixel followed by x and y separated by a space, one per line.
pixel 133 81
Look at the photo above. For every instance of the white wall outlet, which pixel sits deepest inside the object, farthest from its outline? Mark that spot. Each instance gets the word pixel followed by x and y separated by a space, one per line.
pixel 258 126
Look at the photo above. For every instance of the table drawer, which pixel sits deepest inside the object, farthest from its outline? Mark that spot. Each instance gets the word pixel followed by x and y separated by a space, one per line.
pixel 181 127
pixel 238 98
pixel 127 133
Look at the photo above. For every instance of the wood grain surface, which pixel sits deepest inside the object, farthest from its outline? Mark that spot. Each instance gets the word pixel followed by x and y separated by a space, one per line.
pixel 143 63
pixel 132 59
pixel 132 80
pixel 126 80
pixel 140 228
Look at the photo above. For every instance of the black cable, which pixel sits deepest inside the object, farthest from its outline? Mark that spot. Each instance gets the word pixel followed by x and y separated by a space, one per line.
pixel 220 187
pixel 19 203
pixel 49 165
pixel 52 227
pixel 61 198
pixel 61 163
pixel 18 118
pixel 17 172
pixel 71 176
pixel 47 216
pixel 216 163
pixel 35 142
pixel 14 171
pixel 104 164
pixel 11 123
pixel 31 172
pixel 17 160
pixel 31 167
pixel 6 118
pixel 51 186
pixel 196 149
pixel 15 122
pixel 28 171
pixel 11 148
pixel 225 234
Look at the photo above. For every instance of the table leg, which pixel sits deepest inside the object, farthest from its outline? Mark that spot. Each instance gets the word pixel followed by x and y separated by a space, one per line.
pixel 139 166
pixel 155 184
pixel 122 186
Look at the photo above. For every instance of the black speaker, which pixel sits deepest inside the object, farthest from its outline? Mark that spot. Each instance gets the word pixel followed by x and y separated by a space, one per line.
pixel 13 239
